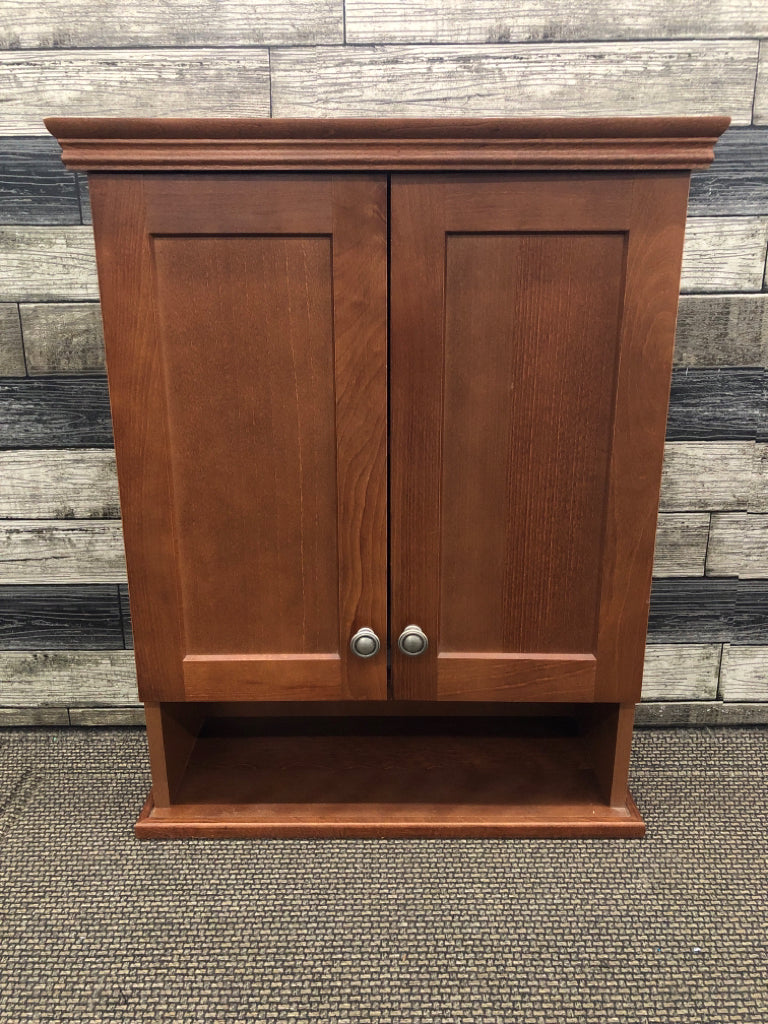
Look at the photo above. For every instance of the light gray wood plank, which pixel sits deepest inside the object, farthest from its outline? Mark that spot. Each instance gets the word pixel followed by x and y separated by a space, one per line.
pixel 28 678
pixel 738 545
pixel 67 484
pixel 62 551
pixel 127 717
pixel 722 330
pixel 724 254
pixel 612 78
pixel 63 337
pixel 698 713
pixel 130 83
pixel 761 87
pixel 744 675
pixel 62 24
pixel 11 351
pixel 498 21
pixel 47 263
pixel 48 717
pixel 758 500
pixel 681 544
pixel 702 476
pixel 681 671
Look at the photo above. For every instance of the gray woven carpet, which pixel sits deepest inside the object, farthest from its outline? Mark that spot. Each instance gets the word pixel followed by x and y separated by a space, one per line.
pixel 96 927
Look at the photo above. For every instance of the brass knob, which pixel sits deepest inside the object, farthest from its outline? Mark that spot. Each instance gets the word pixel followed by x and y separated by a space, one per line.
pixel 364 643
pixel 413 641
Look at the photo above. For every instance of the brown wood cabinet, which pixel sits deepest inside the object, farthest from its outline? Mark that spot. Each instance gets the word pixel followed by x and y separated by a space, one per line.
pixel 389 401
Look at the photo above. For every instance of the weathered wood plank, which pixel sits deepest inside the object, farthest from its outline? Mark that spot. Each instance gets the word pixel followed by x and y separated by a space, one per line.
pixel 681 671
pixel 28 678
pixel 613 78
pixel 49 717
pixel 125 614
pixel 55 617
pixel 701 476
pixel 758 499
pixel 125 717
pixel 56 25
pixel 718 404
pixel 681 544
pixel 736 183
pixel 692 611
pixel 761 88
pixel 11 350
pixel 35 186
pixel 498 21
pixel 722 330
pixel 724 254
pixel 80 551
pixel 86 213
pixel 47 263
pixel 45 484
pixel 698 713
pixel 55 412
pixel 744 674
pixel 63 337
pixel 134 83
pixel 738 545
pixel 751 614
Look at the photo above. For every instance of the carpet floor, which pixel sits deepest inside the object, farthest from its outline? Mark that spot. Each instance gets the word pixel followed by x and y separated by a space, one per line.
pixel 97 927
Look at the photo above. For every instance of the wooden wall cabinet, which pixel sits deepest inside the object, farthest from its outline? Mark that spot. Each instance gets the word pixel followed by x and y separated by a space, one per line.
pixel 378 375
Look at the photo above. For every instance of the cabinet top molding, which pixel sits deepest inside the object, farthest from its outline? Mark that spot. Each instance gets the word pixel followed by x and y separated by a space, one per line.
pixel 394 144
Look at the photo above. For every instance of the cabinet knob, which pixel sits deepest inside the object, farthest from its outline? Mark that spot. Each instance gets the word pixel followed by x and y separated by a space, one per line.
pixel 365 643
pixel 413 641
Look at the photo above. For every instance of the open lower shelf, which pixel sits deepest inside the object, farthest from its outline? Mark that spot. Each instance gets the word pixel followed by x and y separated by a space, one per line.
pixel 348 777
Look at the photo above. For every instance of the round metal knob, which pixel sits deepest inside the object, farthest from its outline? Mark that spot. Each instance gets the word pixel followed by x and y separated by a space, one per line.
pixel 365 643
pixel 413 641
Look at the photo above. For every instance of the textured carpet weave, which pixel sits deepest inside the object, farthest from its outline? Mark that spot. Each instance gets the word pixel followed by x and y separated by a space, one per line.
pixel 96 927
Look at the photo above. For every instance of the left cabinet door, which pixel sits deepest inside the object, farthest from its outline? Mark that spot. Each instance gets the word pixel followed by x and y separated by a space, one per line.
pixel 245 322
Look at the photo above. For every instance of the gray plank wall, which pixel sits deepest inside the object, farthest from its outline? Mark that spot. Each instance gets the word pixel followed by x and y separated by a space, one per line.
pixel 64 619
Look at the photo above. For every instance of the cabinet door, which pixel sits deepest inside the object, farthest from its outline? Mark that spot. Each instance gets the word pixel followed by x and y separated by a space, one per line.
pixel 532 325
pixel 245 320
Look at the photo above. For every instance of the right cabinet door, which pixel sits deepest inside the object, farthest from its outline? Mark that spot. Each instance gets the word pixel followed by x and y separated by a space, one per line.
pixel 532 326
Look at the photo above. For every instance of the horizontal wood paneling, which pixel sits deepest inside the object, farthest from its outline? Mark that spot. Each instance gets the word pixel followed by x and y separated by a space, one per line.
pixel 761 87
pixel 11 351
pixel 698 713
pixel 724 254
pixel 125 614
pixel 681 545
pixel 58 485
pixel 63 337
pixel 702 476
pixel 681 671
pixel 738 545
pixel 35 186
pixel 125 717
pixel 39 263
pixel 618 78
pixel 758 501
pixel 722 330
pixel 41 551
pixel 692 611
pixel 85 198
pixel 74 617
pixel 55 412
pixel 498 21
pixel 147 83
pixel 736 183
pixel 744 674
pixel 57 24
pixel 51 718
pixel 28 678
pixel 716 404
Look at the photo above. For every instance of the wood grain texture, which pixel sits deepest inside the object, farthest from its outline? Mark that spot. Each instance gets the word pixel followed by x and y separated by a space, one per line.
pixel 50 484
pixel 125 615
pixel 681 671
pixel 751 612
pixel 42 263
pixel 34 186
pixel 67 677
pixel 40 551
pixel 681 544
pixel 555 79
pixel 64 337
pixel 744 673
pixel 716 404
pixel 496 21
pixel 121 83
pixel 692 611
pixel 703 476
pixel 55 412
pixel 722 330
pixel 736 183
pixel 761 88
pixel 51 718
pixel 131 716
pixel 738 545
pixel 11 349
pixel 698 713
pixel 758 499
pixel 60 617
pixel 724 254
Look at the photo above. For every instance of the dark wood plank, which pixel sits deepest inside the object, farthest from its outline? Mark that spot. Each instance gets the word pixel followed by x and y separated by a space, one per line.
pixel 125 615
pixel 693 611
pixel 718 404
pixel 751 613
pixel 55 412
pixel 86 214
pixel 35 187
pixel 737 182
pixel 67 617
